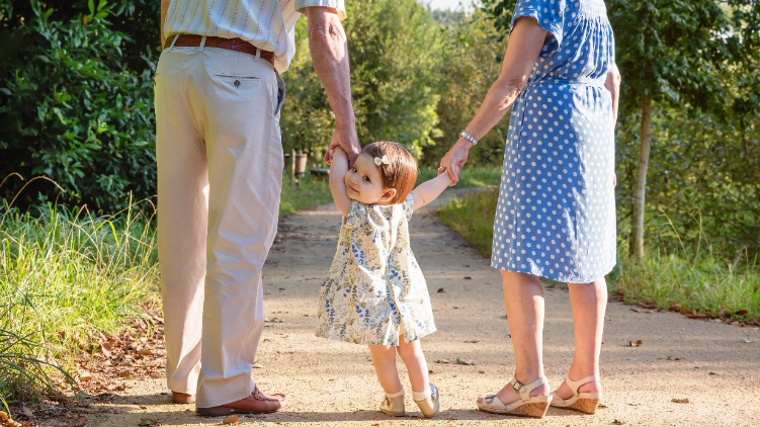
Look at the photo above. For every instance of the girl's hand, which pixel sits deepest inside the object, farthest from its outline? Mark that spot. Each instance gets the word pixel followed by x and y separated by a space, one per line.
pixel 455 158
pixel 347 140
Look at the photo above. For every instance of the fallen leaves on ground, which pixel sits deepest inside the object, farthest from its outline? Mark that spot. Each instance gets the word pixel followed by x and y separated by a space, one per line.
pixel 636 343
pixel 77 422
pixel 441 290
pixel 680 400
pixel 232 419
pixel 11 423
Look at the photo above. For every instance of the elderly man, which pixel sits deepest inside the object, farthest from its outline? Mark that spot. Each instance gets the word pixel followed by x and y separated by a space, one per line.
pixel 218 97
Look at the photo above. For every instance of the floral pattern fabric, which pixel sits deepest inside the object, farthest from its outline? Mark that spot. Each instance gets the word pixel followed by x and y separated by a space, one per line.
pixel 375 290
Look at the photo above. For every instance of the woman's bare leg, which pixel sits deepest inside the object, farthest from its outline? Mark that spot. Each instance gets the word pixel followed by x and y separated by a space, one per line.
pixel 589 301
pixel 524 299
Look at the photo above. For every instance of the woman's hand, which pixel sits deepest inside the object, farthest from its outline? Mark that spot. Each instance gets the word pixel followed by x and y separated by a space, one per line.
pixel 454 160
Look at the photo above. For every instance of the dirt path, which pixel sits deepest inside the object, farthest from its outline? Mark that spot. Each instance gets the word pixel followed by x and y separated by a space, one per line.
pixel 330 383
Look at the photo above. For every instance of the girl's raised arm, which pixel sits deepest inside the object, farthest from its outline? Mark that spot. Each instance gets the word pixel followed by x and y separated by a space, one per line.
pixel 430 189
pixel 338 170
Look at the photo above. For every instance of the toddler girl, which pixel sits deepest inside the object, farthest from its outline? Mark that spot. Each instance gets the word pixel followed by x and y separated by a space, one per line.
pixel 374 293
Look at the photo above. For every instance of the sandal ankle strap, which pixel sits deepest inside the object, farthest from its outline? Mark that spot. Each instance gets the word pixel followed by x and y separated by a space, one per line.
pixel 575 385
pixel 525 390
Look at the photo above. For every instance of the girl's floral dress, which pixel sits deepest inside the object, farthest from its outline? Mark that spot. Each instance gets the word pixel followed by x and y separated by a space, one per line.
pixel 375 290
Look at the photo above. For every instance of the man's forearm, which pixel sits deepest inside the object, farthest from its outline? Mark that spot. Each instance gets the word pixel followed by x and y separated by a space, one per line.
pixel 329 53
pixel 164 9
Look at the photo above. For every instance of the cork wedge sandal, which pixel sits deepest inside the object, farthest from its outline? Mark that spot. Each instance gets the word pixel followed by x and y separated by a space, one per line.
pixel 526 406
pixel 581 402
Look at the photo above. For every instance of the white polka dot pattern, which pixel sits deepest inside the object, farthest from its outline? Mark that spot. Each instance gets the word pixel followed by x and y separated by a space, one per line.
pixel 556 212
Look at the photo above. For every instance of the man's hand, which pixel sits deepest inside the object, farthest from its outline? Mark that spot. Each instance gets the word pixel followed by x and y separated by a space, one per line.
pixel 347 140
pixel 455 158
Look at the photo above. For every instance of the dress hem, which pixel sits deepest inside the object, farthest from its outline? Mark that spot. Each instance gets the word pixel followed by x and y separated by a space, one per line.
pixel 558 278
pixel 333 338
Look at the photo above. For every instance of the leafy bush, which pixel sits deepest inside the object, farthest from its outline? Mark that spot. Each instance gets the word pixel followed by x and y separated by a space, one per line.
pixel 393 48
pixel 72 110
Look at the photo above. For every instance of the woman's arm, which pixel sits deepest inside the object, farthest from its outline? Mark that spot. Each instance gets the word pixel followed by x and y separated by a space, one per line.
pixel 524 46
pixel 430 190
pixel 613 85
pixel 338 170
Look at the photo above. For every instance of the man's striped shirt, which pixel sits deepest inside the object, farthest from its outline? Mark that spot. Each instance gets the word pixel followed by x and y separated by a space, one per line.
pixel 267 24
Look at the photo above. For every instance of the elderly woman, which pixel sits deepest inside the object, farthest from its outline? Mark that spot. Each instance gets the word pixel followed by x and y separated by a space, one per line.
pixel 556 212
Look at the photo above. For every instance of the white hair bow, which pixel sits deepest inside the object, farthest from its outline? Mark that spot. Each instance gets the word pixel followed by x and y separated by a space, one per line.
pixel 382 161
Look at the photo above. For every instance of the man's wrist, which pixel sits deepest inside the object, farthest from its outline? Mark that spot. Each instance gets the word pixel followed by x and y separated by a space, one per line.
pixel 346 123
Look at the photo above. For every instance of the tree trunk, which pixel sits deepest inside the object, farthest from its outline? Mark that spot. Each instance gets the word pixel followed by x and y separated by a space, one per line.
pixel 636 249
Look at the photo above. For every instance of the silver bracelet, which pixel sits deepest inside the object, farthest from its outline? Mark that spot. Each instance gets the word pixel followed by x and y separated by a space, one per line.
pixel 468 137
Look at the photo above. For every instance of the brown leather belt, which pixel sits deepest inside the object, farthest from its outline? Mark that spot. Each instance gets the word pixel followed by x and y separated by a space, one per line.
pixel 238 45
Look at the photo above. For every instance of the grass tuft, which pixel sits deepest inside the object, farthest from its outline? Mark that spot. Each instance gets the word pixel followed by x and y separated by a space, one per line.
pixel 66 277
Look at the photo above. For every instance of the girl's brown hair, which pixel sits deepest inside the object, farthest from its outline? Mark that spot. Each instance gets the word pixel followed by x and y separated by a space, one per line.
pixel 400 172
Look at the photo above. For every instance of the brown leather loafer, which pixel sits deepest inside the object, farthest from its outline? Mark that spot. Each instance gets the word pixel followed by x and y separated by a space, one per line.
pixel 182 398
pixel 256 403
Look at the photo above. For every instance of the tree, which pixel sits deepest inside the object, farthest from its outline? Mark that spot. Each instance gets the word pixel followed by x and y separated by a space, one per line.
pixel 678 53
pixel 393 48
pixel 472 63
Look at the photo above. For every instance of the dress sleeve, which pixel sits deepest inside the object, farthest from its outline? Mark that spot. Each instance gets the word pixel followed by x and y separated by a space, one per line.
pixel 408 206
pixel 357 215
pixel 550 15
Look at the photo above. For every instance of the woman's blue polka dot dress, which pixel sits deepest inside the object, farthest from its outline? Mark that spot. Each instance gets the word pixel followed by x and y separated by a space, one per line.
pixel 556 211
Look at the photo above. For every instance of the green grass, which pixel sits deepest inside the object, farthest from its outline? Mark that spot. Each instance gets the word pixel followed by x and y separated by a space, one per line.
pixel 708 285
pixel 311 192
pixel 703 283
pixel 65 278
pixel 471 176
pixel 472 217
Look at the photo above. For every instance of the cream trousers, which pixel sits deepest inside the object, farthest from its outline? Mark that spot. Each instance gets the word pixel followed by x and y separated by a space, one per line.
pixel 220 165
